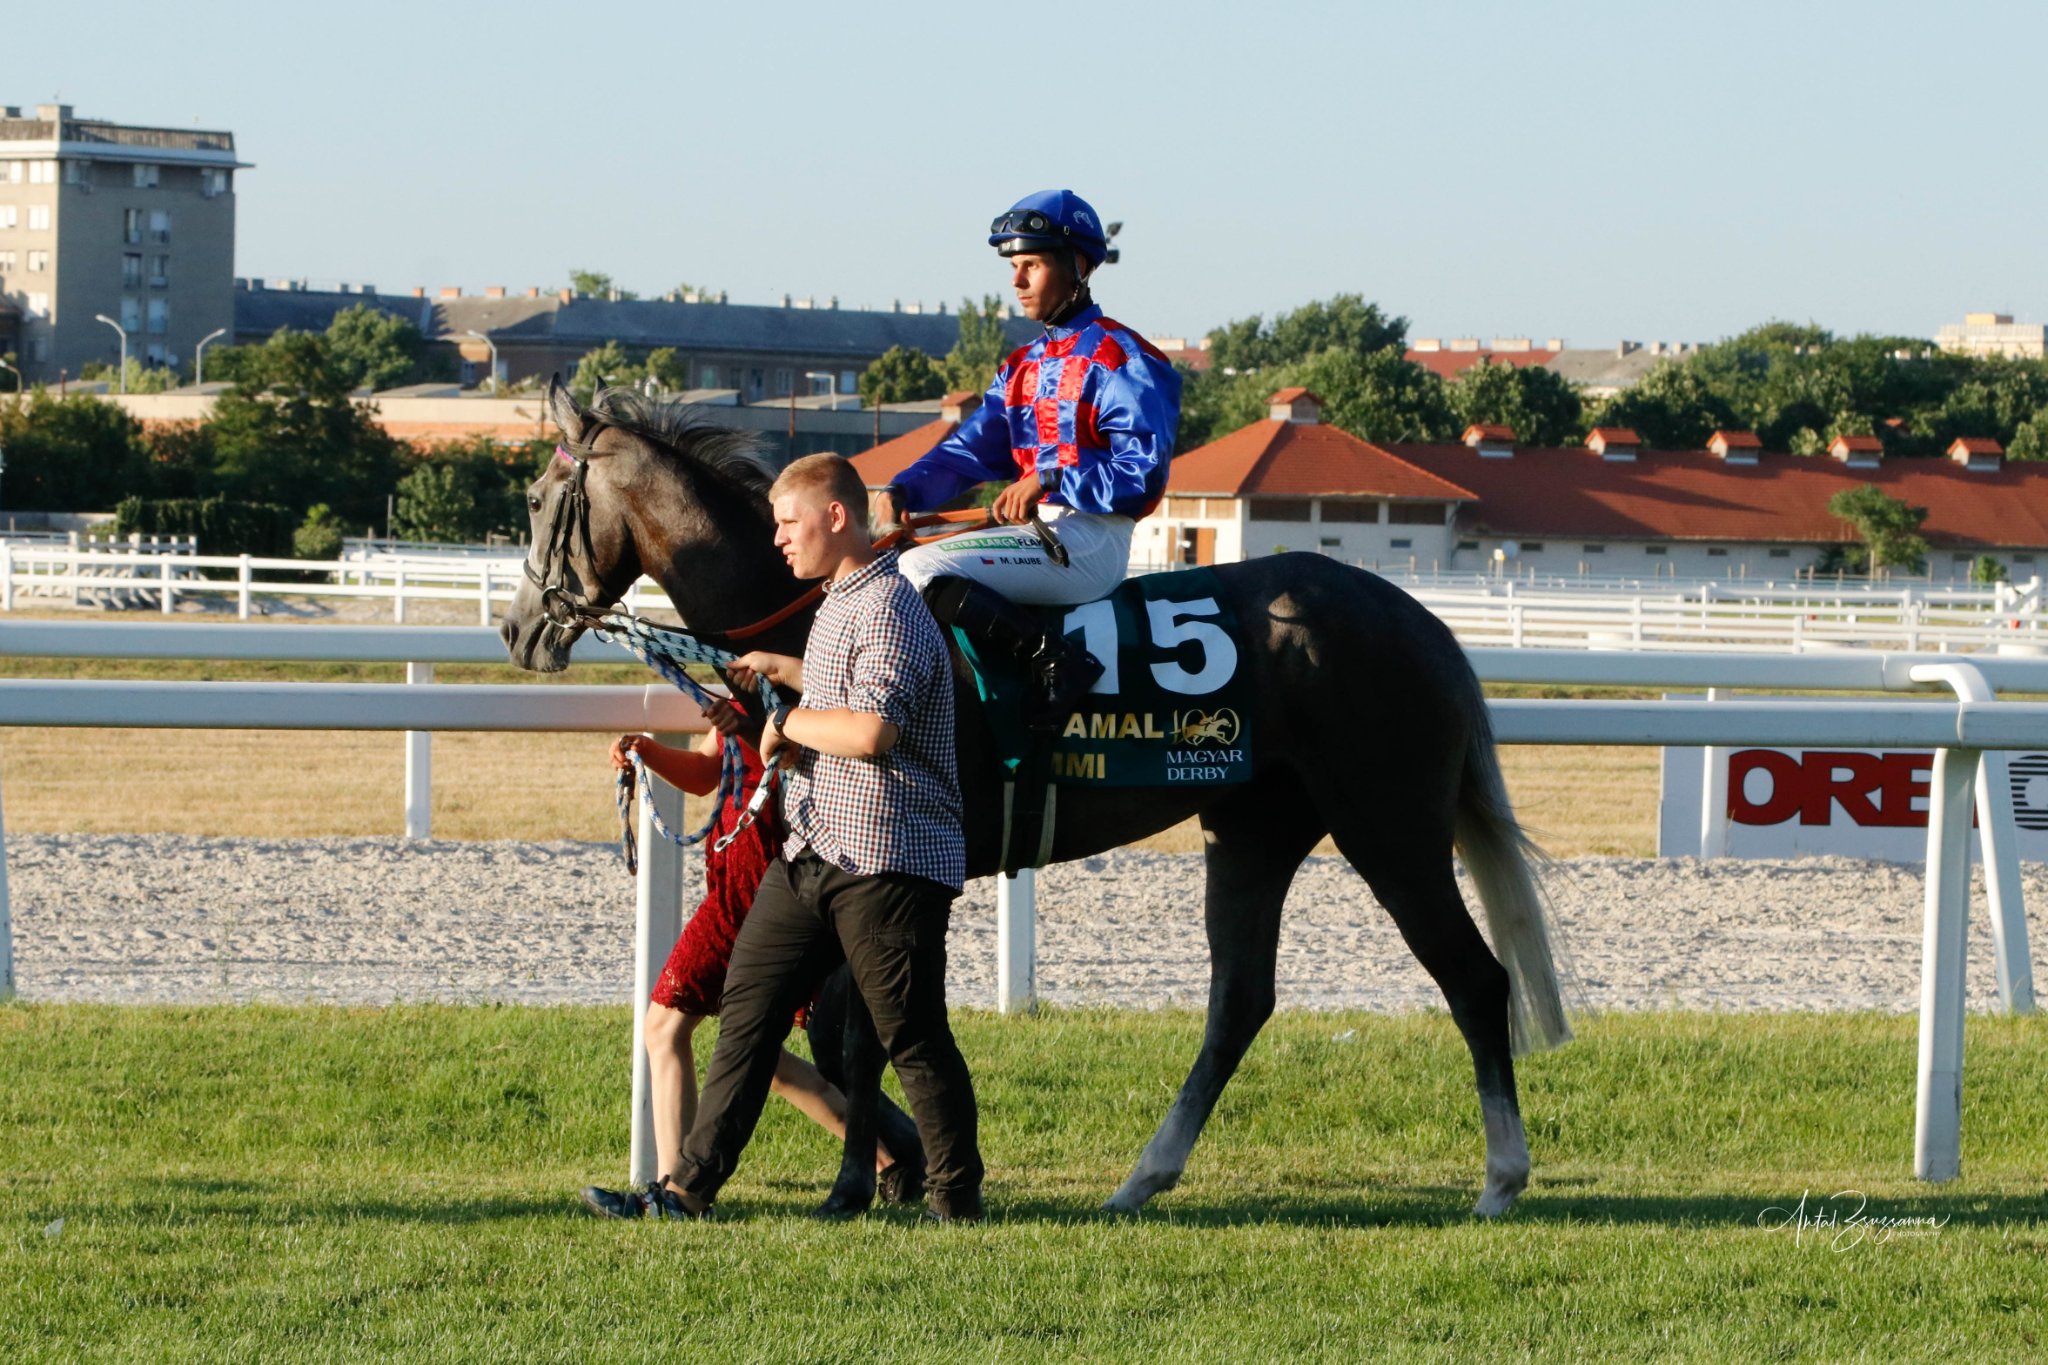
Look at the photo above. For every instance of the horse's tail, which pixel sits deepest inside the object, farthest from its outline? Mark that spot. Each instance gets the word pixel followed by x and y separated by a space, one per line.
pixel 1502 860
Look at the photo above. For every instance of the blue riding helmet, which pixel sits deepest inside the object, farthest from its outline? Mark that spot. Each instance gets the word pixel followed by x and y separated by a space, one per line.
pixel 1047 221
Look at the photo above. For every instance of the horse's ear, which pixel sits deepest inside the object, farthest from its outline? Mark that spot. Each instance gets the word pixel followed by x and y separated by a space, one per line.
pixel 562 407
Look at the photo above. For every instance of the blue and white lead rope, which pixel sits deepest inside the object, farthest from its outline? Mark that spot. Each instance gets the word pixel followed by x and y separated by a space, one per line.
pixel 666 651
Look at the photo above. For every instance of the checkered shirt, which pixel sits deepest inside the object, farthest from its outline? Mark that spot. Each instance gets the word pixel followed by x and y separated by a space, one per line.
pixel 875 648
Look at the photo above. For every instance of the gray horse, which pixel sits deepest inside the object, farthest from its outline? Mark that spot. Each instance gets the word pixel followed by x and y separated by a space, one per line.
pixel 1371 726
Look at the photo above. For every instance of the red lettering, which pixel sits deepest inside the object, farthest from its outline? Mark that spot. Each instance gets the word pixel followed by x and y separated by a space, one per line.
pixel 1849 778
pixel 1787 787
pixel 1905 780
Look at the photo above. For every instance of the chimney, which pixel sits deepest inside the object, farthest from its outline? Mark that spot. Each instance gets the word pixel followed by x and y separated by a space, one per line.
pixel 1614 443
pixel 451 291
pixel 835 303
pixel 1298 406
pixel 419 291
pixel 1735 447
pixel 1491 439
pixel 1979 453
pixel 533 291
pixel 785 300
pixel 253 285
pixel 1426 344
pixel 1553 343
pixel 567 296
pixel 494 291
pixel 1857 452
pixel 1622 348
pixel 954 407
pixel 1463 344
pixel 1512 344
pixel 804 302
pixel 54 112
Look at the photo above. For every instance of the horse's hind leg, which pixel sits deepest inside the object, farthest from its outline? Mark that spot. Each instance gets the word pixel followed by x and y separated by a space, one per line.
pixel 1406 859
pixel 1256 840
pixel 850 1055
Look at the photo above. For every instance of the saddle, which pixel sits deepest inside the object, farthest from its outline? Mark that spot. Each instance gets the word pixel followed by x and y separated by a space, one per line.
pixel 1168 711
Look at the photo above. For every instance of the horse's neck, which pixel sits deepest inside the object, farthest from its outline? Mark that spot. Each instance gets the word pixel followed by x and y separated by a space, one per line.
pixel 714 554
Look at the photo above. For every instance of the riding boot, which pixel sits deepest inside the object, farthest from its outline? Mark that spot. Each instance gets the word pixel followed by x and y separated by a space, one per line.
pixel 1059 671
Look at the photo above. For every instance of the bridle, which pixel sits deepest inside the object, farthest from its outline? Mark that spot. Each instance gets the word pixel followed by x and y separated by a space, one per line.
pixel 565 611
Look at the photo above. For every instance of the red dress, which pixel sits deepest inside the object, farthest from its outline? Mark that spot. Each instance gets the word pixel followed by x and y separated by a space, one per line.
pixel 693 979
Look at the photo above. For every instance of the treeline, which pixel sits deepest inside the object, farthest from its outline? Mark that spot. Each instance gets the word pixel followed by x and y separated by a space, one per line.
pixel 288 458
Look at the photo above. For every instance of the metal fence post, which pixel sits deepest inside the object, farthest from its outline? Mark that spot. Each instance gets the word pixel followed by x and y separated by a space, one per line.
pixel 1017 942
pixel 398 596
pixel 419 767
pixel 163 573
pixel 243 574
pixel 1714 795
pixel 6 575
pixel 658 922
pixel 483 594
pixel 1938 1106
pixel 6 923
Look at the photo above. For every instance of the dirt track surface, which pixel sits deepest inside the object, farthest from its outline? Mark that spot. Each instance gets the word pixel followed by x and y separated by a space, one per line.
pixel 176 919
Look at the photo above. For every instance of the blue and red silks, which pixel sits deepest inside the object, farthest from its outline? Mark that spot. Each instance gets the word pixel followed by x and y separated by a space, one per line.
pixel 1091 406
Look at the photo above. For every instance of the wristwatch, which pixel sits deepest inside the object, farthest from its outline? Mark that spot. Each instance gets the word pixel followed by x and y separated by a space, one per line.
pixel 779 717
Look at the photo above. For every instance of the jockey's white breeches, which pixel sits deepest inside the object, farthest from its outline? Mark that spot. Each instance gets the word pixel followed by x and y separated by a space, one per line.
pixel 1013 560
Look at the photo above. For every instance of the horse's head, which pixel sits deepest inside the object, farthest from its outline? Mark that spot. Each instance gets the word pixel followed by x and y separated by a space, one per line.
pixel 582 551
pixel 641 485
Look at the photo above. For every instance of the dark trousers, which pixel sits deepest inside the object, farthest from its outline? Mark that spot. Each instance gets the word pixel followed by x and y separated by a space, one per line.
pixel 890 930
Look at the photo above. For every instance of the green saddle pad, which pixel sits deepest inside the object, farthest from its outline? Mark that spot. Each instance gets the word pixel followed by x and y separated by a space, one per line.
pixel 1169 708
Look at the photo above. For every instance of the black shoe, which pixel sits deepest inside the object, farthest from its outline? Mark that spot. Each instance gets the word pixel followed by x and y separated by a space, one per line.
pixel 655 1201
pixel 901 1183
pixel 964 1207
pixel 1063 673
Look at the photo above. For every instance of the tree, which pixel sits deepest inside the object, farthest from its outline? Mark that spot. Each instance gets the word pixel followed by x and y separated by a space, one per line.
pixel 319 536
pixel 598 285
pixel 140 378
pixel 1988 571
pixel 75 454
pixel 666 369
pixel 608 364
pixel 1346 322
pixel 1673 407
pixel 904 374
pixel 1542 406
pixel 983 346
pixel 373 349
pixel 1888 528
pixel 2030 439
pixel 289 433
pixel 467 490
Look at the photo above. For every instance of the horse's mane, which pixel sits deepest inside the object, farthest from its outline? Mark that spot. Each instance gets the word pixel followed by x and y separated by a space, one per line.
pixel 690 432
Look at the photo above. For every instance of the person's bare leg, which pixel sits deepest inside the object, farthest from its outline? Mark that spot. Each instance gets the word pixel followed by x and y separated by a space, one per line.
pixel 818 1100
pixel 672 1080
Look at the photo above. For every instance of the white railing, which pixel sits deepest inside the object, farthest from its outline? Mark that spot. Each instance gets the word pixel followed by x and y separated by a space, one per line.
pixel 36 576
pixel 1967 735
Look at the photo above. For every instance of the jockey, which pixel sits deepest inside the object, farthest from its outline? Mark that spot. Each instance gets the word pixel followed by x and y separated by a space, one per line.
pixel 1080 425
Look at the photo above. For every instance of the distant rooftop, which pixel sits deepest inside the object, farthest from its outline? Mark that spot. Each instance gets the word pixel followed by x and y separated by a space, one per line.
pixel 51 130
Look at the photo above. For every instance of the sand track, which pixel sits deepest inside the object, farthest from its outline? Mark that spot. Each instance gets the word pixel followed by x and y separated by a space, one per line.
pixel 177 919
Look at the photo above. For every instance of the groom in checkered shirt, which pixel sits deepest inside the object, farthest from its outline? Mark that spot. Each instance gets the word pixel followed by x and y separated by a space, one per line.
pixel 875 855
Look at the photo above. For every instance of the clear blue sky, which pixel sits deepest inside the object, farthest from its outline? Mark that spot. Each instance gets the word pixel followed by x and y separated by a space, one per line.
pixel 1597 171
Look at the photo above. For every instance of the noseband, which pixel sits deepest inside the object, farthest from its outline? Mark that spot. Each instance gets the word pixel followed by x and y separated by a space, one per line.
pixel 565 611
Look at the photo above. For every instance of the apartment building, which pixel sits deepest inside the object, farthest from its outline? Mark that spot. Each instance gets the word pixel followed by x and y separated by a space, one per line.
pixel 104 220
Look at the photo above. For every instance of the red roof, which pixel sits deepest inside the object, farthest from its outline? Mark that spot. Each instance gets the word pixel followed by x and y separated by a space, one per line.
pixel 1736 440
pixel 1302 460
pixel 1857 443
pixel 1614 436
pixel 1695 495
pixel 879 465
pixel 1289 395
pixel 1975 445
pixel 1451 364
pixel 1489 431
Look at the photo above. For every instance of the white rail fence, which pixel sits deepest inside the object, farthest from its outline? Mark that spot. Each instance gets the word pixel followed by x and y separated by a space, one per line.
pixel 1969 735
pixel 1595 614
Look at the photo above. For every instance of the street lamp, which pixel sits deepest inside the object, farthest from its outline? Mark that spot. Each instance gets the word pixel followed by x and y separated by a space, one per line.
pixel 831 382
pixel 102 317
pixel 494 357
pixel 199 356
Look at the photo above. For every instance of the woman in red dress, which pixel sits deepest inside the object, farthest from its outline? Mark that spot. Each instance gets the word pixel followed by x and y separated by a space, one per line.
pixel 693 980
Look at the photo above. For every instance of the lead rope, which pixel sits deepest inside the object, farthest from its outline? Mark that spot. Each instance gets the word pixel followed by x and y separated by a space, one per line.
pixel 666 651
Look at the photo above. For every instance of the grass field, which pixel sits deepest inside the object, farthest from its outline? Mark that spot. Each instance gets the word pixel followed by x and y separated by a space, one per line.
pixel 298 1183
pixel 498 786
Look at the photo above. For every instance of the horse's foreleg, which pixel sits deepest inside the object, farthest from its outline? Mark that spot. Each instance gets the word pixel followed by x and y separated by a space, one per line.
pixel 1252 857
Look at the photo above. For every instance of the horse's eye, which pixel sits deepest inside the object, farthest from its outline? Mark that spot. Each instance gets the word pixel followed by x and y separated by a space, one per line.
pixel 532 503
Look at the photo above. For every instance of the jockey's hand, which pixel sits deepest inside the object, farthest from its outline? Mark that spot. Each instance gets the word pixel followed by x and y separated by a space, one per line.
pixel 888 515
pixel 780 669
pixel 1013 505
pixel 724 717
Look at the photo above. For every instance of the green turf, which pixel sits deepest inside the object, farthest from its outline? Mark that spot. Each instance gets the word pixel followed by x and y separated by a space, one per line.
pixel 324 1184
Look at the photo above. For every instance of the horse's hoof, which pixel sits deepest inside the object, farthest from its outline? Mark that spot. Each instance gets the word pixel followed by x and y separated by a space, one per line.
pixel 1498 1197
pixel 840 1206
pixel 902 1183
